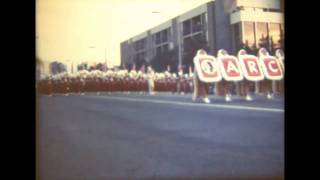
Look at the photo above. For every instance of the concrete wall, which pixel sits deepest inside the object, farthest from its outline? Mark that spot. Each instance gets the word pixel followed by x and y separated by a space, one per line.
pixel 256 16
pixel 211 27
pixel 222 32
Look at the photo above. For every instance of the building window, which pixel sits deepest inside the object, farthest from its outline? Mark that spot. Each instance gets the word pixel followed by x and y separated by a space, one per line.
pixel 248 35
pixel 164 37
pixel 136 45
pixel 262 35
pixel 186 42
pixel 158 50
pixel 275 35
pixel 186 27
pixel 158 40
pixel 142 55
pixel 237 37
pixel 196 24
pixel 165 48
pixel 143 43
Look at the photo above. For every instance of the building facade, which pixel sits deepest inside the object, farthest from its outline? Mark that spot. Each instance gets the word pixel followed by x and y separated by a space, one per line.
pixel 227 24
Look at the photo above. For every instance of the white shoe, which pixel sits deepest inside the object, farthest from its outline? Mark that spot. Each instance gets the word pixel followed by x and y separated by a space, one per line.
pixel 248 98
pixel 98 93
pixel 206 100
pixel 270 96
pixel 228 99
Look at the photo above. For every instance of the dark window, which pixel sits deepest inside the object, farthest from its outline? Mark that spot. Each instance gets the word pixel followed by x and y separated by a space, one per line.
pixel 158 51
pixel 165 48
pixel 164 36
pixel 196 24
pixel 237 37
pixel 186 27
pixel 158 40
pixel 142 54
pixel 142 43
pixel 187 43
pixel 136 45
pixel 199 37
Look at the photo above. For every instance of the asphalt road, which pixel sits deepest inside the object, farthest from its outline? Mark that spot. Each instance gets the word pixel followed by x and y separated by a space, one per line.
pixel 132 136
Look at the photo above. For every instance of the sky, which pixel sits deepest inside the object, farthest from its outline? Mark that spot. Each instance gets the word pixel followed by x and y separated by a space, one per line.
pixel 92 30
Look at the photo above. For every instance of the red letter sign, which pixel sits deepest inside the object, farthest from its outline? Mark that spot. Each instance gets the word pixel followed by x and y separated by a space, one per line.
pixel 207 68
pixel 271 67
pixel 230 68
pixel 251 67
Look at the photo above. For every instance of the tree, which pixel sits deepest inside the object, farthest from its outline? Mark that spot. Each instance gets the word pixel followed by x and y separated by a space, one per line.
pixel 57 67
pixel 82 66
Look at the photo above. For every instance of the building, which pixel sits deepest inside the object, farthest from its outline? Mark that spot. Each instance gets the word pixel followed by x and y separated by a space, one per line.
pixel 227 24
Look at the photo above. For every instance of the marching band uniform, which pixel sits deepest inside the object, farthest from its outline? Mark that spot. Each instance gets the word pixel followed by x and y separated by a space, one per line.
pixel 226 85
pixel 151 83
pixel 201 89
pixel 173 82
pixel 179 81
pixel 190 80
pixel 280 84
pixel 244 85
pixel 266 83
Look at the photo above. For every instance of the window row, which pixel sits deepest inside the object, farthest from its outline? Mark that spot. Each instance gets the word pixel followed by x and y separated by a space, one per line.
pixel 259 34
pixel 193 25
pixel 140 56
pixel 162 49
pixel 162 36
pixel 140 44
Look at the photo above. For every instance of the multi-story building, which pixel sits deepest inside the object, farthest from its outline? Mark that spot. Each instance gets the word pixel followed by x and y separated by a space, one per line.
pixel 227 24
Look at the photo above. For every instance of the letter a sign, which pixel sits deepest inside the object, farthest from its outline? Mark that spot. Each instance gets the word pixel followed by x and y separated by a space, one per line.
pixel 230 68
pixel 271 67
pixel 251 68
pixel 207 68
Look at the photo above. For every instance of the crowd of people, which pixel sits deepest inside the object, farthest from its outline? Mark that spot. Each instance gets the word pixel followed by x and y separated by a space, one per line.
pixel 115 81
pixel 149 81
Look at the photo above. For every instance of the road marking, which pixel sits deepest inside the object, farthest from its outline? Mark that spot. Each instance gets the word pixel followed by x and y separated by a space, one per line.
pixel 194 104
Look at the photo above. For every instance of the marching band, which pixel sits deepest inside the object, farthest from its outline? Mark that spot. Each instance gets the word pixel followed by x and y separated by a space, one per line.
pixel 244 71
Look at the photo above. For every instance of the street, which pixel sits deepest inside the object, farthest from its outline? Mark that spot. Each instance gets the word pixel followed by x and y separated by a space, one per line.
pixel 136 136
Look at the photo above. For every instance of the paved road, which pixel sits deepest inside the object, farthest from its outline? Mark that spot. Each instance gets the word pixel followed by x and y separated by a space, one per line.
pixel 162 136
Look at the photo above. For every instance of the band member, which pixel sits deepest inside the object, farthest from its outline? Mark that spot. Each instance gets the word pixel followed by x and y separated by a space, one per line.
pixel 201 89
pixel 266 83
pixel 244 85
pixel 280 55
pixel 151 80
pixel 82 86
pixel 190 79
pixel 180 78
pixel 173 83
pixel 226 85
pixel 280 84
